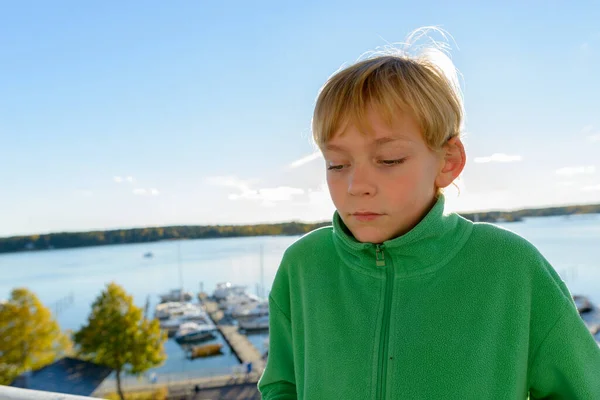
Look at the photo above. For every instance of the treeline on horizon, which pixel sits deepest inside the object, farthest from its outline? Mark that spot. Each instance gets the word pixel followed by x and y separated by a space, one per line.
pixel 66 240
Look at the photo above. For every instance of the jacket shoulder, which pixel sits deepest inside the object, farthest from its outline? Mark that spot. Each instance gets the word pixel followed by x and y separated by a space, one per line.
pixel 494 237
pixel 299 259
pixel 310 244
pixel 512 255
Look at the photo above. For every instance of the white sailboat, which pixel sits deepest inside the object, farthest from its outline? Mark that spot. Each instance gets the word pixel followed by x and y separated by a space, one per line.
pixel 255 324
pixel 191 332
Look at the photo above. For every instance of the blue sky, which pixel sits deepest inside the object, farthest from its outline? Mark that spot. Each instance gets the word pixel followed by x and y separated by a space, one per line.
pixel 150 113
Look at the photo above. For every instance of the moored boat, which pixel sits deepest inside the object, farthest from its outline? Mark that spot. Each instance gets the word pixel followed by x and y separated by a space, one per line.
pixel 205 350
pixel 256 324
pixel 176 295
pixel 191 332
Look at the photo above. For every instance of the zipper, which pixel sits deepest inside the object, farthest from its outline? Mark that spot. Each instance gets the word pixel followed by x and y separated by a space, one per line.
pixel 385 329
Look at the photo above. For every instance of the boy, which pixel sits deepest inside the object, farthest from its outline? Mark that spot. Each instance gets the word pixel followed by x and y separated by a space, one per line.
pixel 397 300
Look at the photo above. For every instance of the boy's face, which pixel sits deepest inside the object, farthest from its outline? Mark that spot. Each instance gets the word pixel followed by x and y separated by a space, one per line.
pixel 384 182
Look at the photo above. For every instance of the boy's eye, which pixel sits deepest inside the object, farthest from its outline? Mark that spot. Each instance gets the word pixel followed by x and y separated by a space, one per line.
pixel 335 167
pixel 392 162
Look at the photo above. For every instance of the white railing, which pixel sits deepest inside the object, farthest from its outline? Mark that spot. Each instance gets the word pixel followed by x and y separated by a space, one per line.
pixel 13 393
pixel 207 377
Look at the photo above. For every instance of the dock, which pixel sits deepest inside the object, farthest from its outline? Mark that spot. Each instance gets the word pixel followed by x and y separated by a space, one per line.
pixel 244 351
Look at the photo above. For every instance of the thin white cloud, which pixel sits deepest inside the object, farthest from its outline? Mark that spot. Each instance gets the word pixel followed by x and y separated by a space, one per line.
pixel 146 192
pixel 231 181
pixel 578 170
pixel 587 129
pixel 317 202
pixel 305 160
pixel 269 195
pixel 592 134
pixel 121 179
pixel 565 184
pixel 594 138
pixel 320 196
pixel 498 157
pixel 591 188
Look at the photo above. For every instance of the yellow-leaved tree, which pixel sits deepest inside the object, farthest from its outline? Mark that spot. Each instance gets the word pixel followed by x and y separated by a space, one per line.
pixel 30 338
pixel 118 336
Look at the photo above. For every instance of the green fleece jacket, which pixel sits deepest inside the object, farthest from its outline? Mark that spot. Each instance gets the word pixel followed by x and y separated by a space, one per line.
pixel 450 310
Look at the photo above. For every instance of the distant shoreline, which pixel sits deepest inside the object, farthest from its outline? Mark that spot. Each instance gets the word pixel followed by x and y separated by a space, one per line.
pixel 67 240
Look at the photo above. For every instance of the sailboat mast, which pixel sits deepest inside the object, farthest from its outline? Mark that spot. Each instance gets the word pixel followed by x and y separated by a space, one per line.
pixel 180 270
pixel 262 272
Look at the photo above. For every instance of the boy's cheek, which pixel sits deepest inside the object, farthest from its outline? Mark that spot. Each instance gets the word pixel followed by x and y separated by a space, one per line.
pixel 334 186
pixel 337 191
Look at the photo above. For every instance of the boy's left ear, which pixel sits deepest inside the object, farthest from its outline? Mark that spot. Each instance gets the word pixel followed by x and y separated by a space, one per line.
pixel 454 162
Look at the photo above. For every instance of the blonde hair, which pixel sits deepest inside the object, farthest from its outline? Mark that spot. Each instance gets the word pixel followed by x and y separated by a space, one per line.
pixel 392 81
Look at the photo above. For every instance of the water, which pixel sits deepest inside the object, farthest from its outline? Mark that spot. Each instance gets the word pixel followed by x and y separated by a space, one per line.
pixel 572 245
pixel 84 273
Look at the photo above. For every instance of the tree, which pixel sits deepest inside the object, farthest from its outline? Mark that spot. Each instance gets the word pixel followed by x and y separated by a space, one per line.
pixel 31 338
pixel 118 336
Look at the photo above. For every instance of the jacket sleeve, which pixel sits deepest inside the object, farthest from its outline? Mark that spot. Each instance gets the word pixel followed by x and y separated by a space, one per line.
pixel 566 364
pixel 278 381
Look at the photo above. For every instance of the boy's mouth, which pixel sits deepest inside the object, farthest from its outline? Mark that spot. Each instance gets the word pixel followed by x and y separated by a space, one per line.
pixel 365 216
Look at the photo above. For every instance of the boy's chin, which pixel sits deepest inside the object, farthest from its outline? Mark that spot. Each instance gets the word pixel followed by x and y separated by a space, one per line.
pixel 370 234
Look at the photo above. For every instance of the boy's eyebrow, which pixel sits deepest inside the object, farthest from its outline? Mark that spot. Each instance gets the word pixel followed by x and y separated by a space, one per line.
pixel 384 140
pixel 333 147
pixel 376 142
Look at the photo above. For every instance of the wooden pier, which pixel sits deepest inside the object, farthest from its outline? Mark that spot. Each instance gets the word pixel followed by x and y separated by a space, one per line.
pixel 244 351
pixel 182 384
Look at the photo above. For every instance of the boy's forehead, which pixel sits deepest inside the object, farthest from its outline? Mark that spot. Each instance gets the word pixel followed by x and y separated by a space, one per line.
pixel 341 144
pixel 374 135
pixel 377 126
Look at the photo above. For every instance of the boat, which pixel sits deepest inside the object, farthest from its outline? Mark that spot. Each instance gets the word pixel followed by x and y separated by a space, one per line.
pixel 191 332
pixel 233 301
pixel 148 255
pixel 195 337
pixel 256 324
pixel 225 289
pixel 173 314
pixel 251 311
pixel 173 309
pixel 590 314
pixel 265 354
pixel 164 310
pixel 176 295
pixel 173 324
pixel 583 304
pixel 205 350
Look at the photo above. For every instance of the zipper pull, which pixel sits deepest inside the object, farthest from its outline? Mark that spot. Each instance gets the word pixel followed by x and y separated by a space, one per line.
pixel 379 256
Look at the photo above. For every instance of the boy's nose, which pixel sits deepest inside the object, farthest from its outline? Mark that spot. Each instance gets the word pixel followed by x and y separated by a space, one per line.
pixel 359 183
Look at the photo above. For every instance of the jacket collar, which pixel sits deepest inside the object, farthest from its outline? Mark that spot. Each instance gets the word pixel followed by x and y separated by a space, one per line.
pixel 431 244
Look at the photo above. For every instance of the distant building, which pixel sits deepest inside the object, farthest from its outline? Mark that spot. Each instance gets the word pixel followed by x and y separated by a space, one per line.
pixel 67 375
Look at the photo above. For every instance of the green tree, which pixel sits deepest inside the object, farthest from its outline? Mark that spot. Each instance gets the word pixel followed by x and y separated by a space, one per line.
pixel 118 336
pixel 30 337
